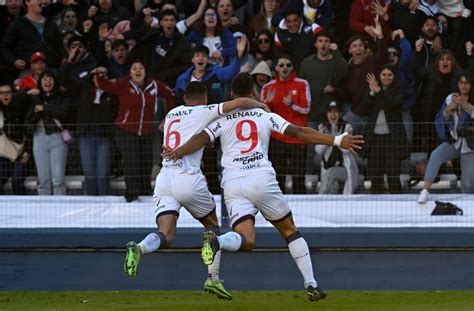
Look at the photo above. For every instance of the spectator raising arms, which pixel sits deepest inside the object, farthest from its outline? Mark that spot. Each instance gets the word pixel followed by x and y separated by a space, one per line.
pixel 385 134
pixel 218 39
pixel 138 96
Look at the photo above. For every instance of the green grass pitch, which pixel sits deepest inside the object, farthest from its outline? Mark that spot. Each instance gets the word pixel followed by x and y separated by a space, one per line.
pixel 243 300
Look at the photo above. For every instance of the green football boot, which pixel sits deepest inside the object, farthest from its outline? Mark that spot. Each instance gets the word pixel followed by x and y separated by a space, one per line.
pixel 209 248
pixel 132 258
pixel 315 294
pixel 217 288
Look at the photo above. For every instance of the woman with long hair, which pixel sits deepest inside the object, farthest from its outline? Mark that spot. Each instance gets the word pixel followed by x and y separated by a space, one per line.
pixel 263 19
pixel 263 46
pixel 48 113
pixel 210 33
pixel 134 132
pixel 455 127
pixel 385 133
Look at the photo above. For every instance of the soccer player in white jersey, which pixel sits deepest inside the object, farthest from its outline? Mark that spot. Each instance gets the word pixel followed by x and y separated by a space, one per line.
pixel 182 183
pixel 249 180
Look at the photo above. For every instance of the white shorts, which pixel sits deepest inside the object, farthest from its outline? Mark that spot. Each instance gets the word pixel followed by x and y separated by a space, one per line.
pixel 250 194
pixel 172 191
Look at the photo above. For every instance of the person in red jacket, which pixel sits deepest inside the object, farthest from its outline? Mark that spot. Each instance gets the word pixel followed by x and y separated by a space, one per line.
pixel 138 97
pixel 289 97
pixel 362 15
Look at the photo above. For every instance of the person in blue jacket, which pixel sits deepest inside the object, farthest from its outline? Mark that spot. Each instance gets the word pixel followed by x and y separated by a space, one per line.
pixel 455 127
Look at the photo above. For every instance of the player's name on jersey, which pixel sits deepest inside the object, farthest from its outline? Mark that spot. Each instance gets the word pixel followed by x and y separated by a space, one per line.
pixel 179 113
pixel 243 114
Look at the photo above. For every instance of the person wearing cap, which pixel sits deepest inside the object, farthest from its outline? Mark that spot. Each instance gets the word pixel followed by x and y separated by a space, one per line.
pixel 37 65
pixel 261 75
pixel 338 166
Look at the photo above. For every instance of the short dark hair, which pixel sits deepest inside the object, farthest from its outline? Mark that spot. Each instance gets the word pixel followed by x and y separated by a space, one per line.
pixel 323 33
pixel 200 49
pixel 242 84
pixel 292 11
pixel 355 38
pixel 119 42
pixel 167 13
pixel 285 56
pixel 6 83
pixel 195 90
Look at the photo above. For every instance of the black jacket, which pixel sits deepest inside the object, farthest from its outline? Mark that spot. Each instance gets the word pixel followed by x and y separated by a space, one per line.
pixel 91 118
pixel 14 120
pixel 55 106
pixel 176 61
pixel 22 39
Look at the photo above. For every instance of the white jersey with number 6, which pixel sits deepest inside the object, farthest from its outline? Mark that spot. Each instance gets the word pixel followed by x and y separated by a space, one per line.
pixel 181 124
pixel 245 135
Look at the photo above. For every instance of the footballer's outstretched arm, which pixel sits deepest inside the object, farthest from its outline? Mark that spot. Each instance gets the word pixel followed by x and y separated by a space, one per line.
pixel 243 103
pixel 311 136
pixel 193 144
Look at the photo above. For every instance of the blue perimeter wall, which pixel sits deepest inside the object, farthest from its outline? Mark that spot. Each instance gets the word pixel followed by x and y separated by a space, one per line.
pixel 343 258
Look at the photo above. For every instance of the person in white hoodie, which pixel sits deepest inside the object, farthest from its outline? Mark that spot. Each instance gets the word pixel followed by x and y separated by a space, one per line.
pixel 338 166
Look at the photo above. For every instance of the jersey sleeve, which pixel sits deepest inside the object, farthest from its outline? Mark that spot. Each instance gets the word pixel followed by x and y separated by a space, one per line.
pixel 212 112
pixel 277 123
pixel 214 129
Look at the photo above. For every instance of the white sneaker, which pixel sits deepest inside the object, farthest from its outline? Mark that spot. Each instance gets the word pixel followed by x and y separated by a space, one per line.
pixel 423 196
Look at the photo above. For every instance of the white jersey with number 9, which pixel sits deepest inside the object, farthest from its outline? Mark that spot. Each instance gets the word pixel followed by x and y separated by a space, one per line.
pixel 245 136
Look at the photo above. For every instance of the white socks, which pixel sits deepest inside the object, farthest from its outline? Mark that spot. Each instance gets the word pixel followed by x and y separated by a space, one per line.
pixel 213 268
pixel 300 252
pixel 150 243
pixel 230 241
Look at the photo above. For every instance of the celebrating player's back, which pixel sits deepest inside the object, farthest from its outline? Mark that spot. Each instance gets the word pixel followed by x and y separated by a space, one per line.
pixel 182 183
pixel 249 181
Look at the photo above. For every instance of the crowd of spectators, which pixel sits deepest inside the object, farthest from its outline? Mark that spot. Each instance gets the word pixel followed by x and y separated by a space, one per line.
pixel 398 72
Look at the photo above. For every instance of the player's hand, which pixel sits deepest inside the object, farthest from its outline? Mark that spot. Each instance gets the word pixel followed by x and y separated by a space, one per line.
pixel 353 143
pixel 170 154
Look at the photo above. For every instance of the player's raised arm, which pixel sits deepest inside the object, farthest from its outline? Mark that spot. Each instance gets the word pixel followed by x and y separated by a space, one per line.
pixel 311 136
pixel 243 103
pixel 193 144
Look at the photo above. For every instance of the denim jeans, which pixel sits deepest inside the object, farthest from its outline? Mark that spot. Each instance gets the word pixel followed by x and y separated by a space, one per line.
pixel 95 160
pixel 50 153
pixel 17 171
pixel 446 152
